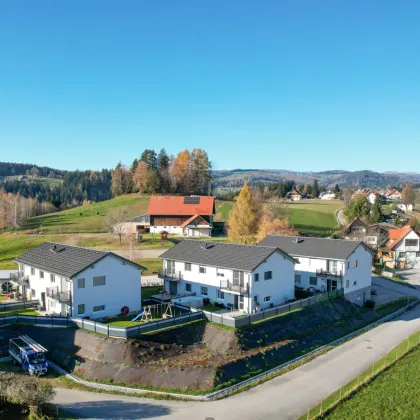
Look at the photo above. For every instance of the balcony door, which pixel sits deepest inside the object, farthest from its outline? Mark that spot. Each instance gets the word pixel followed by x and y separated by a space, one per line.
pixel 332 267
pixel 170 267
pixel 238 279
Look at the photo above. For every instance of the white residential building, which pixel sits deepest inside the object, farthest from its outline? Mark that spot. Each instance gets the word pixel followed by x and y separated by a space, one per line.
pixel 328 195
pixel 329 264
pixel 242 277
pixel 79 282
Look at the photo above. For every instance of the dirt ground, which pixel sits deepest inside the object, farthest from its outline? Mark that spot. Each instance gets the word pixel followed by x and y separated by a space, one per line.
pixel 200 355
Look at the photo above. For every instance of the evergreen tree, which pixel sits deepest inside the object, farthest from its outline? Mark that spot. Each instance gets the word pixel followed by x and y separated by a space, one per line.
pixel 149 156
pixel 315 189
pixel 162 161
pixel 376 214
pixel 244 218
pixel 359 208
pixel 336 189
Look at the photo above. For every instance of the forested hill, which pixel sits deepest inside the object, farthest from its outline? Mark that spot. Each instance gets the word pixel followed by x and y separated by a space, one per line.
pixel 14 169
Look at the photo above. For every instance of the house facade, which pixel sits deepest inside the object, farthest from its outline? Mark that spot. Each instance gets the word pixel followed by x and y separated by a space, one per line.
pixel 326 265
pixel 402 250
pixel 358 230
pixel 189 216
pixel 79 282
pixel 295 195
pixel 328 195
pixel 241 277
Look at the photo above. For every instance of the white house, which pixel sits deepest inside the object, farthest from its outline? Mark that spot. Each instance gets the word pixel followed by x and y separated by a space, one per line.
pixel 402 249
pixel 327 195
pixel 79 282
pixel 329 264
pixel 403 207
pixel 371 197
pixel 242 277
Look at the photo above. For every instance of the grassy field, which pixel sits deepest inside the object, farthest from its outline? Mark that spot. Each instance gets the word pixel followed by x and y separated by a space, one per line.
pixel 223 209
pixel 152 264
pixel 89 218
pixel 312 217
pixel 394 394
pixel 52 182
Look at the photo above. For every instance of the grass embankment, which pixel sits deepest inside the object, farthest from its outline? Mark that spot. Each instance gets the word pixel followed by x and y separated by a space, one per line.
pixel 153 265
pixel 19 312
pixel 393 394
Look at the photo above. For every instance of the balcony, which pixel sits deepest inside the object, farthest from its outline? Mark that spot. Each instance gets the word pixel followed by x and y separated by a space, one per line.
pixel 326 273
pixel 170 276
pixel 54 293
pixel 227 285
pixel 20 279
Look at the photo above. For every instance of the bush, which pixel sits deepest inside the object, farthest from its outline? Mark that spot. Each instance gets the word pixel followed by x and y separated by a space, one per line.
pixel 370 304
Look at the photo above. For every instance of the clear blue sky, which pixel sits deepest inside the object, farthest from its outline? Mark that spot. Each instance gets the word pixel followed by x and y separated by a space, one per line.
pixel 303 85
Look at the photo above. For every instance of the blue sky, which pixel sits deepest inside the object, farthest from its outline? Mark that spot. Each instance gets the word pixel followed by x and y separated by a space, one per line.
pixel 303 85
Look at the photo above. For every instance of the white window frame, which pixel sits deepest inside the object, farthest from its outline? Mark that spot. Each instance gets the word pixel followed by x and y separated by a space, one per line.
pixel 206 293
pixel 41 274
pixel 102 308
pixel 52 278
pixel 267 298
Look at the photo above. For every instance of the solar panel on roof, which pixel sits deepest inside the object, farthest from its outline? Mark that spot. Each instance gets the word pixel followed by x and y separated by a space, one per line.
pixel 191 200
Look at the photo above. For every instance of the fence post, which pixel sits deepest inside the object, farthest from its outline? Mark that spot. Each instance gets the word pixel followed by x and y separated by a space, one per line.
pixel 83 323
pixel 108 329
pixel 94 325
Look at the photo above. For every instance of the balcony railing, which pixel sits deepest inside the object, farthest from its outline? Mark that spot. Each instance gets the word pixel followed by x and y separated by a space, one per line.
pixel 20 279
pixel 55 294
pixel 170 276
pixel 243 289
pixel 327 273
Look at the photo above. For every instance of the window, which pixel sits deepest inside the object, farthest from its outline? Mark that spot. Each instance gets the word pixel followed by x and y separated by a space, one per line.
pixel 354 264
pixel 297 259
pixel 347 283
pixel 98 308
pixel 32 271
pixel 204 290
pixel 188 287
pixel 220 273
pixel 348 264
pixel 297 278
pixel 187 267
pixel 52 278
pixel 99 281
pixel 81 309
pixel 52 303
pixel 256 299
pixel 33 293
pixel 268 275
pixel 202 270
pixel 411 242
pixel 170 267
pixel 256 277
pixel 41 274
pixel 267 299
pixel 81 283
pixel 220 294
pixel 313 281
pixel 354 283
pixel 242 302
pixel 238 278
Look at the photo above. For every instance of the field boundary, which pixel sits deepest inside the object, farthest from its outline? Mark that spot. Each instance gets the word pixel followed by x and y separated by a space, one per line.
pixel 234 388
pixel 363 378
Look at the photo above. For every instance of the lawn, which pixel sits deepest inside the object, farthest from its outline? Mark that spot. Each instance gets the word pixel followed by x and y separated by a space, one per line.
pixel 19 312
pixel 88 218
pixel 313 217
pixel 393 394
pixel 149 291
pixel 153 265
pixel 223 209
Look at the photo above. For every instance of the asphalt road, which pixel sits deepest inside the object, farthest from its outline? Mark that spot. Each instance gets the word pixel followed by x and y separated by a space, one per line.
pixel 284 397
pixel 341 219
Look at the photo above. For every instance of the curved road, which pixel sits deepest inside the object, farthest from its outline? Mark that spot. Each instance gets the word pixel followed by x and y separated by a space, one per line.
pixel 284 397
pixel 341 219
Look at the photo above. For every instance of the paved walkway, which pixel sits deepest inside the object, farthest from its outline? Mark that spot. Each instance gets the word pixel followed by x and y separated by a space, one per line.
pixel 285 397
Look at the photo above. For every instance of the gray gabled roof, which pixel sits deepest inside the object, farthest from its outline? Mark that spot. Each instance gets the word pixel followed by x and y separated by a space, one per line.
pixel 219 254
pixel 64 260
pixel 333 249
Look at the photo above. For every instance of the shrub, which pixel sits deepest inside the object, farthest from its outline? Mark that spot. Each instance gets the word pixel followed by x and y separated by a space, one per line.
pixel 370 304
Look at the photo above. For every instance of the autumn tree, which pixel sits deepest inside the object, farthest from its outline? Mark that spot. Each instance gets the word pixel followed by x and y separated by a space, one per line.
pixel 200 172
pixel 121 180
pixel 407 195
pixel 180 172
pixel 271 225
pixel 114 222
pixel 244 218
pixel 145 180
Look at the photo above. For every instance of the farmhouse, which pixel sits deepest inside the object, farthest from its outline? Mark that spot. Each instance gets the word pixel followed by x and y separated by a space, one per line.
pixel 329 264
pixel 79 282
pixel 242 277
pixel 182 216
pixel 402 250
pixel 327 195
pixel 294 195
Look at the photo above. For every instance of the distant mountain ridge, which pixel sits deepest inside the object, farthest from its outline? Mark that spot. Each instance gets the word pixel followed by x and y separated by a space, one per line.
pixel 345 179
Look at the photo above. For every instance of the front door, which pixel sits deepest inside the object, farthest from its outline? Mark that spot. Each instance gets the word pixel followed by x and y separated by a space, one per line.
pixel 173 289
pixel 43 300
pixel 235 302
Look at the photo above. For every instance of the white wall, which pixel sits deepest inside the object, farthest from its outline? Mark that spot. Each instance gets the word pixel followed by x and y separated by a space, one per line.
pixel 401 246
pixel 174 230
pixel 280 288
pixel 38 285
pixel 360 277
pixel 122 288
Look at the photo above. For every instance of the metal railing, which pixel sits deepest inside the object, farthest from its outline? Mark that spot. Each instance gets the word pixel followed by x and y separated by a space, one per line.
pixel 170 276
pixel 326 273
pixel 20 278
pixel 54 293
pixel 232 287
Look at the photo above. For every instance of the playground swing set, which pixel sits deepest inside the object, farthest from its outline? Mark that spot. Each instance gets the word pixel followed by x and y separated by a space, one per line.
pixel 153 311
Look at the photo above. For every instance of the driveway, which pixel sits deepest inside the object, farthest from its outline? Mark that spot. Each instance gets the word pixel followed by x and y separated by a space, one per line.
pixel 387 290
pixel 411 276
pixel 284 397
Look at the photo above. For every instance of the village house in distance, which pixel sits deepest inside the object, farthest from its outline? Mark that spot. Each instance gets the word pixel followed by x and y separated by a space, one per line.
pixel 188 216
pixel 79 282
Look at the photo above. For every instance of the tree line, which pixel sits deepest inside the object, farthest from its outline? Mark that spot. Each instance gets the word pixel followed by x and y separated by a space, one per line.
pixel 13 169
pixel 189 172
